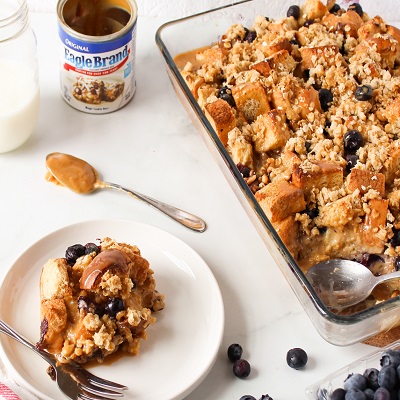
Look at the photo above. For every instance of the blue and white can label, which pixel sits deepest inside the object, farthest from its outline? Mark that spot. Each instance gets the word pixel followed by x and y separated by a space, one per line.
pixel 97 73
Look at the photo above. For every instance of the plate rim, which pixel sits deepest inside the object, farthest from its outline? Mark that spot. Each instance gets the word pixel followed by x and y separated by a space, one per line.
pixel 186 389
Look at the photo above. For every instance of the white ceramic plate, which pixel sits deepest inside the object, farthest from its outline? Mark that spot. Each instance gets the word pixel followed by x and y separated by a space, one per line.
pixel 181 347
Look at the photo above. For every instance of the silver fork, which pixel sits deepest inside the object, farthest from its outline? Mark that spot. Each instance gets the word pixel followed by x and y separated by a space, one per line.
pixel 72 379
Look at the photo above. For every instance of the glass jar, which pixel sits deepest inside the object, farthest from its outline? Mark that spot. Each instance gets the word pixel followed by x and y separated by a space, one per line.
pixel 19 80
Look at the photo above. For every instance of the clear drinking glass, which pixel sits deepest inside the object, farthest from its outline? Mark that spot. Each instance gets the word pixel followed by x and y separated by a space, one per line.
pixel 19 82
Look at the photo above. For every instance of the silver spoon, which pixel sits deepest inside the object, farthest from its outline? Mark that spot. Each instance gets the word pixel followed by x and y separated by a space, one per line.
pixel 81 177
pixel 344 283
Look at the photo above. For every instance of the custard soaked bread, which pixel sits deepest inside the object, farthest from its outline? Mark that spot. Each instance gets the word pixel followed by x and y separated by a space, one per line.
pixel 309 110
pixel 96 301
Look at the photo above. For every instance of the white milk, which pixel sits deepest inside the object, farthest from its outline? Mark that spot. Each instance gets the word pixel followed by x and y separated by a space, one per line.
pixel 19 104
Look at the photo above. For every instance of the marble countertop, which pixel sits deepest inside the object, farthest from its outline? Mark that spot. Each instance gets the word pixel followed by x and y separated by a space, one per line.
pixel 151 145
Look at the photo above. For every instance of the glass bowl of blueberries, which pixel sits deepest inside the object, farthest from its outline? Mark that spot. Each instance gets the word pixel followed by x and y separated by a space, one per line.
pixel 179 39
pixel 373 377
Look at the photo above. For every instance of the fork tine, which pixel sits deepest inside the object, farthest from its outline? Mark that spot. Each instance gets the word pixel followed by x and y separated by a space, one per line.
pixel 93 389
pixel 84 396
pixel 88 376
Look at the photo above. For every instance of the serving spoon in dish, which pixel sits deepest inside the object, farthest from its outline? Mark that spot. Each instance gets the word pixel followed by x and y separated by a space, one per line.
pixel 80 177
pixel 344 283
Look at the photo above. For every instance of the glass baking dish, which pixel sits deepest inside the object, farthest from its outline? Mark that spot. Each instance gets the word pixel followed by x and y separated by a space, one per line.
pixel 204 29
pixel 323 389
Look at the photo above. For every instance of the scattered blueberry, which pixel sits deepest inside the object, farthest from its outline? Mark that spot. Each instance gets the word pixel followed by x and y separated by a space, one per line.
pixel 351 160
pixel 235 352
pixel 382 394
pixel 245 171
pixel 357 8
pixel 325 98
pixel 369 394
pixel 266 397
pixel 390 357
pixel 363 93
pixel 73 253
pixel 247 397
pixel 395 240
pixel 84 303
pixel 354 394
pixel 295 42
pixel 114 306
pixel 296 358
pixel 308 22
pixel 397 263
pixel 352 140
pixel 312 213
pixel 241 368
pixel 293 11
pixel 250 36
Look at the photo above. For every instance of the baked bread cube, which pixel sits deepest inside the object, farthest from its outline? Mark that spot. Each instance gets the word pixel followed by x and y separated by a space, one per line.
pixel 251 99
pixel 240 148
pixel 364 180
pixel 347 24
pixel 374 221
pixel 372 27
pixel 318 174
pixel 392 165
pixel 193 81
pixel 312 9
pixel 308 101
pixel 313 56
pixel 268 49
pixel 280 199
pixel 96 301
pixel 221 117
pixel 337 213
pixel 288 230
pixel 280 61
pixel 270 132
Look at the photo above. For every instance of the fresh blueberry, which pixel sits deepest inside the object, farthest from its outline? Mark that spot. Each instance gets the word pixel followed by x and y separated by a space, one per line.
pixel 235 352
pixel 241 368
pixel 354 394
pixel 225 93
pixel 395 240
pixel 312 213
pixel 250 36
pixel 387 377
pixel 293 11
pixel 73 253
pixel 357 8
pixel 390 357
pixel 325 98
pixel 352 140
pixel 371 375
pixel 247 397
pixel 296 358
pixel 338 394
pixel 382 394
pixel 266 397
pixel 84 303
pixel 308 22
pixel 369 394
pixel 363 93
pixel 114 306
pixel 355 381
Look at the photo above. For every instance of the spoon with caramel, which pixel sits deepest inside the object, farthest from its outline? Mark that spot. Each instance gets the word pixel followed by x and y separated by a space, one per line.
pixel 80 177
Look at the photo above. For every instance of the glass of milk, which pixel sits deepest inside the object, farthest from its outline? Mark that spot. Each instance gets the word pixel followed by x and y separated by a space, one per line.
pixel 19 80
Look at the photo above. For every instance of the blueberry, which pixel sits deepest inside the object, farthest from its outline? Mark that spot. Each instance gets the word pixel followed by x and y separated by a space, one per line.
pixel 250 36
pixel 225 93
pixel 357 8
pixel 91 248
pixel 266 397
pixel 353 140
pixel 84 303
pixel 397 263
pixel 235 352
pixel 355 381
pixel 369 259
pixel 312 213
pixel 241 368
pixel 245 171
pixel 355 394
pixel 308 22
pixel 387 377
pixel 382 394
pixel 395 240
pixel 247 397
pixel 335 9
pixel 73 253
pixel 295 42
pixel 114 306
pixel 293 11
pixel 351 160
pixel 369 394
pixel 325 98
pixel 296 358
pixel 363 93
pixel 390 357
pixel 338 394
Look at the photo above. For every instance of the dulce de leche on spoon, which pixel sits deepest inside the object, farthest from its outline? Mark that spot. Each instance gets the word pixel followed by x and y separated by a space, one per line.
pixel 80 177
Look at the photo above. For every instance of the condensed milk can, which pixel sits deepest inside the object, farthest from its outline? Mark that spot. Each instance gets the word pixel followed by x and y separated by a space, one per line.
pixel 97 53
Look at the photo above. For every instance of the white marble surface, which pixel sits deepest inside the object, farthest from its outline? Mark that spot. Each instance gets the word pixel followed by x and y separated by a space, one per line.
pixel 152 146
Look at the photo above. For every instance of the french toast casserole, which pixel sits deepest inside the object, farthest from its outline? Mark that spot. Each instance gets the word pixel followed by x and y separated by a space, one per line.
pixel 308 108
pixel 95 301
